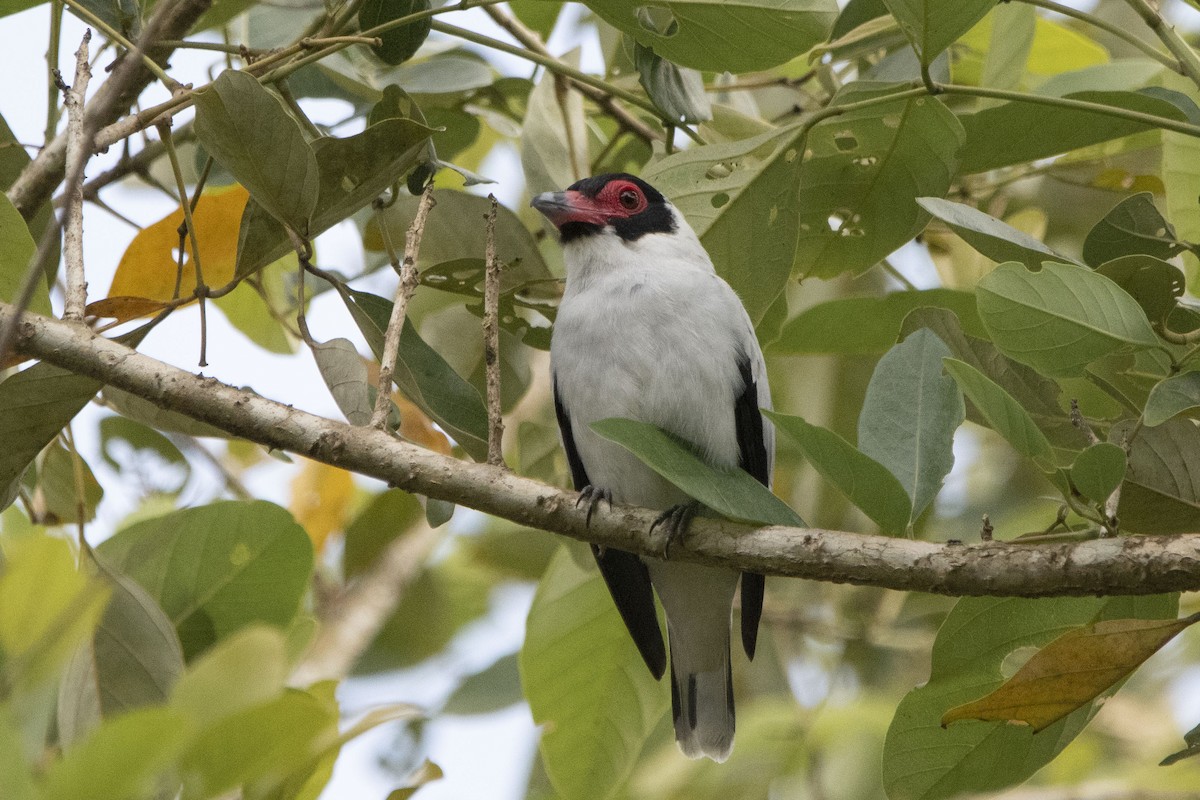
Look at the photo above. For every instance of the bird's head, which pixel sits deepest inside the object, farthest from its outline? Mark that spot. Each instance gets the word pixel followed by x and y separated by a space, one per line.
pixel 617 205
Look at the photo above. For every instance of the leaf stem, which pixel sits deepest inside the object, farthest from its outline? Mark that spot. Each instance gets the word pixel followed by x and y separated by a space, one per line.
pixel 1109 28
pixel 115 35
pixel 56 13
pixel 1189 63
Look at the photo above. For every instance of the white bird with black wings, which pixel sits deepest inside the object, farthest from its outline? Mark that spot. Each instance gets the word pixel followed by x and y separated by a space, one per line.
pixel 648 331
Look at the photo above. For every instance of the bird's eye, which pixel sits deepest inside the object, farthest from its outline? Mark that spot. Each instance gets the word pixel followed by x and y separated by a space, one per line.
pixel 629 198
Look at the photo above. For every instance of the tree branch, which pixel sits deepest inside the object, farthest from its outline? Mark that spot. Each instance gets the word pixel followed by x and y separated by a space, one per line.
pixel 171 20
pixel 1131 565
pixel 491 340
pixel 78 151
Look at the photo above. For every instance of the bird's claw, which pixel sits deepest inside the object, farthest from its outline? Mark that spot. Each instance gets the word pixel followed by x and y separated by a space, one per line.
pixel 592 496
pixel 675 520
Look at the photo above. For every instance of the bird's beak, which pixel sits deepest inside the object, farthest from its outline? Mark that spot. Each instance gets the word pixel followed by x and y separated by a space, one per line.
pixel 569 206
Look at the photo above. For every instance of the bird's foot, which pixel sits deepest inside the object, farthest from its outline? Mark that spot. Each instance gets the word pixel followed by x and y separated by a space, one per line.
pixel 592 496
pixel 675 520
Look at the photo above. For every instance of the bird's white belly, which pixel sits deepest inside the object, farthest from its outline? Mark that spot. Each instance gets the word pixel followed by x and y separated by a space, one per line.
pixel 614 359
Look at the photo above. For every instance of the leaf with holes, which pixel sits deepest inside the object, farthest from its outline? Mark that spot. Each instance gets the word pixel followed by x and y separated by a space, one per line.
pixel 1072 671
pixel 909 416
pixel 862 173
pixel 1153 283
pixel 995 239
pixel 1133 225
pixel 865 482
pixel 247 129
pixel 1060 319
pixel 717 35
pixel 596 711
pixel 740 199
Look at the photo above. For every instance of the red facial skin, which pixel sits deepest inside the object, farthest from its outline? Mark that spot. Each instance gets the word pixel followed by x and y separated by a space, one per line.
pixel 616 200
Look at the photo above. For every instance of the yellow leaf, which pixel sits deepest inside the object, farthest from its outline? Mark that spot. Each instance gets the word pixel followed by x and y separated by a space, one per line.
pixel 321 499
pixel 149 268
pixel 1071 671
pixel 124 308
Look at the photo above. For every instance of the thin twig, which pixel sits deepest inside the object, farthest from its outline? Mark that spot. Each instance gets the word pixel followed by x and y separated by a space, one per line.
pixel 530 39
pixel 408 284
pixel 1189 63
pixel 77 156
pixel 115 36
pixel 56 14
pixel 491 340
pixel 1111 29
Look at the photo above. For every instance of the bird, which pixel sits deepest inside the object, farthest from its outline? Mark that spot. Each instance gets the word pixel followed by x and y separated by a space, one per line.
pixel 647 330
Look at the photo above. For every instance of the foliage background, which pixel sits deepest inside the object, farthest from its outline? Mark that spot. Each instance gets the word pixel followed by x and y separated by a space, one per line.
pixel 817 703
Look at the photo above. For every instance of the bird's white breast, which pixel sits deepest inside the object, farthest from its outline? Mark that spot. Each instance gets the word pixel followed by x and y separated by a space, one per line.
pixel 646 334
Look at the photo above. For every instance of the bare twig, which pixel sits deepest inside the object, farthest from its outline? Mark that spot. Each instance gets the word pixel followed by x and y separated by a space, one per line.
pixel 408 284
pixel 1189 63
pixel 1124 565
pixel 530 39
pixel 1079 422
pixel 351 621
pixel 78 152
pixel 491 340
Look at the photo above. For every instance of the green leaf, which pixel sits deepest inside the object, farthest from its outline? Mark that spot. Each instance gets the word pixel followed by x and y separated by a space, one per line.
pixel 1072 671
pixel 1161 493
pixel 345 374
pixel 246 669
pixel 389 514
pixel 399 44
pixel 585 683
pixel 1003 414
pixel 855 13
pixel 16 777
pixel 424 376
pixel 1133 226
pixel 47 607
pixel 1036 394
pixel 1060 319
pixel 715 35
pixel 1181 184
pixel 1021 131
pixel 924 761
pixel 249 307
pixel 166 465
pixel 732 493
pixel 246 128
pixel 1192 739
pixel 123 758
pixel 1099 470
pixel 740 199
pixel 17 249
pixel 862 173
pixel 677 91
pixel 932 25
pixel 13 160
pixel 868 325
pixel 142 410
pixel 261 745
pixel 997 240
pixel 554 135
pixel 216 568
pixel 865 482
pixel 35 404
pixel 352 172
pixel 1172 396
pixel 435 607
pixel 56 479
pixel 1153 283
pixel 132 660
pixel 493 689
pixel 909 416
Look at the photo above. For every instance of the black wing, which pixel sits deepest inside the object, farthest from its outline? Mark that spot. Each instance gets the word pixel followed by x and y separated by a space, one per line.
pixel 627 578
pixel 753 458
